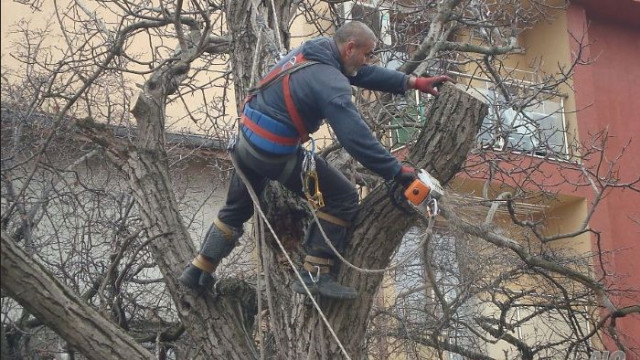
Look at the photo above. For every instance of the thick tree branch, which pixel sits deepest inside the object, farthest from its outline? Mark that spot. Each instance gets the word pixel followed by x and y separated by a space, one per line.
pixel 61 310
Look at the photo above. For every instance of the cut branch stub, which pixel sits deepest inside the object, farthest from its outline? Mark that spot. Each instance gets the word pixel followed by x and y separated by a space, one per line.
pixel 450 132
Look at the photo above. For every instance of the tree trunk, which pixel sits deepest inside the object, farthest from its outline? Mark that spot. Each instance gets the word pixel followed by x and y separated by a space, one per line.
pixel 215 323
pixel 221 327
pixel 58 308
pixel 255 45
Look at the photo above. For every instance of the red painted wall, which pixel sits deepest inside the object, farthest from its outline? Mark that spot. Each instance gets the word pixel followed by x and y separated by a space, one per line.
pixel 608 92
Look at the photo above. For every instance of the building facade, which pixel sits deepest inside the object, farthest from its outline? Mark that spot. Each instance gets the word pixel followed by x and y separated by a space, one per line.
pixel 599 95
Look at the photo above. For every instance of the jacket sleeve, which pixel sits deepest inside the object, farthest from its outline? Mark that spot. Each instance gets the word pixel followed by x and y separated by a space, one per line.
pixel 356 137
pixel 377 78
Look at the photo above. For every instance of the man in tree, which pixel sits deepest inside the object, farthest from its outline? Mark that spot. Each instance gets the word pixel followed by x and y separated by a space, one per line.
pixel 311 83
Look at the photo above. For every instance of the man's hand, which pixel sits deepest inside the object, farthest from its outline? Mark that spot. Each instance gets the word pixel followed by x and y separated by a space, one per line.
pixel 430 84
pixel 405 176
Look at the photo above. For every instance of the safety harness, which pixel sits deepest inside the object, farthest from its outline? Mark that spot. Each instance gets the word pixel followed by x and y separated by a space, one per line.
pixel 267 133
pixel 274 137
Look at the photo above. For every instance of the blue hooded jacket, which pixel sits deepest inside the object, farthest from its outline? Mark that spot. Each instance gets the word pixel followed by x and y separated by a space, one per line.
pixel 322 91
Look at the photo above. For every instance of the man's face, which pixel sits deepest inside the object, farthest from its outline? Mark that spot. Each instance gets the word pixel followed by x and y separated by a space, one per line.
pixel 357 56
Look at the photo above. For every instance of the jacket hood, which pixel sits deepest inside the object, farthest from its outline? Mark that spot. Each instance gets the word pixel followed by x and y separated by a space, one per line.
pixel 323 50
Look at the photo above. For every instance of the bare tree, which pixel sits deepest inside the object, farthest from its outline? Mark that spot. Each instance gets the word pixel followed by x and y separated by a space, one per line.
pixel 93 192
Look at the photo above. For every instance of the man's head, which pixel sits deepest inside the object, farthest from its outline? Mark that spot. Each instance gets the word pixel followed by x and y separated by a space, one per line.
pixel 356 42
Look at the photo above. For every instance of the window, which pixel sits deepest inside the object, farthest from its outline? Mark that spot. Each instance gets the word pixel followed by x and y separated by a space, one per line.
pixel 411 303
pixel 416 297
pixel 537 129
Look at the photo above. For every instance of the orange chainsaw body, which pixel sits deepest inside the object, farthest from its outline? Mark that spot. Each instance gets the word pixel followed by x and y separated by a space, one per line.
pixel 423 194
pixel 417 192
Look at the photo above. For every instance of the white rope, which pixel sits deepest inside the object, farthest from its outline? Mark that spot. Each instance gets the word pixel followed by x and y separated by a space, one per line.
pixel 308 167
pixel 259 232
pixel 254 66
pixel 256 203
pixel 426 236
pixel 275 22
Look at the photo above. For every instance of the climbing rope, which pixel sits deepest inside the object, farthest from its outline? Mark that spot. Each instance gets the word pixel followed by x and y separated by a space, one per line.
pixel 256 203
pixel 277 29
pixel 259 233
pixel 315 201
pixel 409 256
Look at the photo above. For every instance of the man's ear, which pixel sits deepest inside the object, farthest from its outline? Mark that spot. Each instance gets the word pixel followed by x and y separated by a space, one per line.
pixel 351 45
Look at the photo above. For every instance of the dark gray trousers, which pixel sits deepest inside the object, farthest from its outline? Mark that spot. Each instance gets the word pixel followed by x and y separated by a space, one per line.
pixel 340 196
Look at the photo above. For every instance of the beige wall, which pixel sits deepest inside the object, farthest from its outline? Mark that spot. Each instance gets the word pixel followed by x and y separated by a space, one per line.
pixel 563 214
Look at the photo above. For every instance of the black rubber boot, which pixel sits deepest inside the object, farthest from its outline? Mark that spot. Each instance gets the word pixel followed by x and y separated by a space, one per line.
pixel 218 243
pixel 326 286
pixel 196 279
pixel 297 286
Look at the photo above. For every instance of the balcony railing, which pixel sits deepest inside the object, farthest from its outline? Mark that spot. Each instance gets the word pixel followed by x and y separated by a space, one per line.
pixel 537 129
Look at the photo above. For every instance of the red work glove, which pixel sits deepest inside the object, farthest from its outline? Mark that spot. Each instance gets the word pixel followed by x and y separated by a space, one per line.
pixel 405 176
pixel 430 84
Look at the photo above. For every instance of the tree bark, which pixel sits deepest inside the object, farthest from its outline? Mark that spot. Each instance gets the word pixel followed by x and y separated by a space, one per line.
pixel 61 310
pixel 222 325
pixel 218 324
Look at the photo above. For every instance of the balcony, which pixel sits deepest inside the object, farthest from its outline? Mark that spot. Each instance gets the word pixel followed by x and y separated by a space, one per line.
pixel 527 124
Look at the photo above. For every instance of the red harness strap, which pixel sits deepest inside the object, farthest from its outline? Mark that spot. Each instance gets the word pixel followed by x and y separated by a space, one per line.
pixel 293 111
pixel 296 63
pixel 267 134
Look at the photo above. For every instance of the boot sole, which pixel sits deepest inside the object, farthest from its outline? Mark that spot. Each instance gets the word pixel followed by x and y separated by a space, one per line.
pixel 188 281
pixel 190 284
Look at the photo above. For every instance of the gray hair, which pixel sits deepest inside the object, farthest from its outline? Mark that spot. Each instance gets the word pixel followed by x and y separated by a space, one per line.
pixel 354 31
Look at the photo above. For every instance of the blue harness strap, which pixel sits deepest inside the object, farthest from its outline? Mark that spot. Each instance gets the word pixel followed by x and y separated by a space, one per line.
pixel 267 133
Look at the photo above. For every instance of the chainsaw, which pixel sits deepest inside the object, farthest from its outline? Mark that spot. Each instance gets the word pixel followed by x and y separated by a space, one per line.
pixel 423 194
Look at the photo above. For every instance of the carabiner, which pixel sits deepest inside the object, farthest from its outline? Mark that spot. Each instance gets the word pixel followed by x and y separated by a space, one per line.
pixel 314 198
pixel 432 208
pixel 317 278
